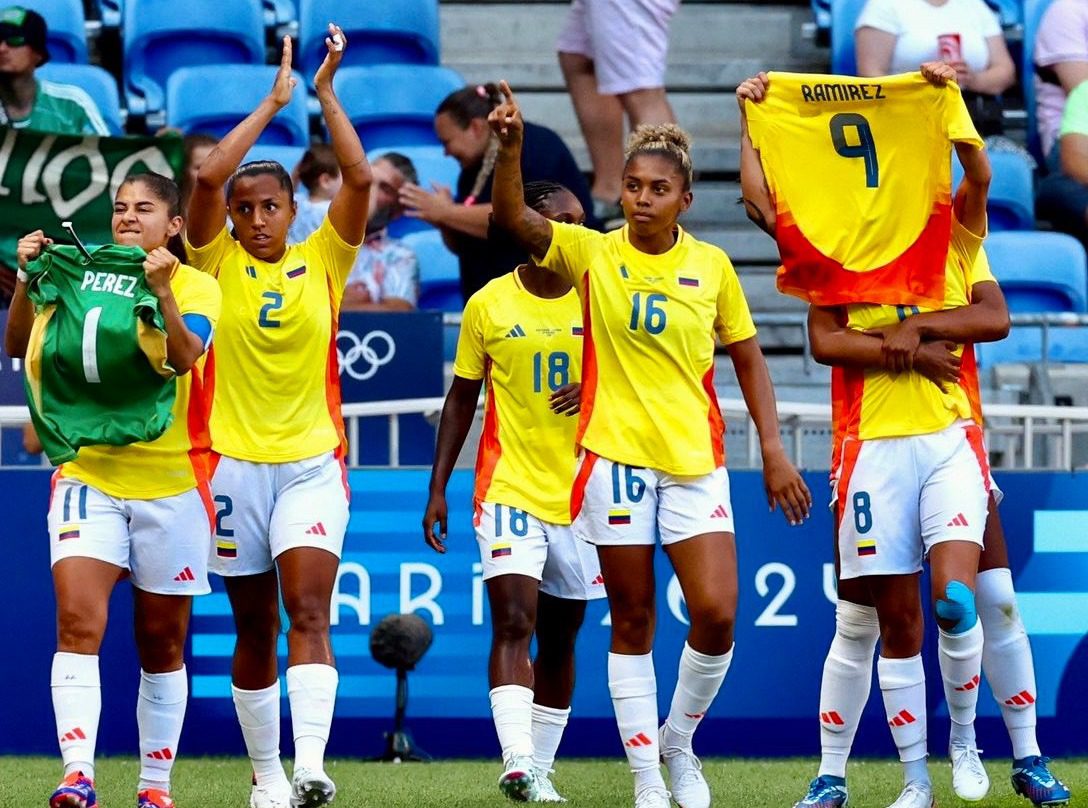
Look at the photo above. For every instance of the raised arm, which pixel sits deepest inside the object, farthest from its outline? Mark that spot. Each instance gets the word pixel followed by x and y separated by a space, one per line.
pixel 208 206
pixel 755 193
pixel 529 228
pixel 21 311
pixel 349 208
pixel 457 415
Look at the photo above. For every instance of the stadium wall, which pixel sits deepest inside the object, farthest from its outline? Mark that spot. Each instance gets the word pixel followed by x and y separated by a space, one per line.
pixel 767 706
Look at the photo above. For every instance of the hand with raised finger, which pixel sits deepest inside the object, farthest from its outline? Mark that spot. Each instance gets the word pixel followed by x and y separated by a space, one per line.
pixel 567 400
pixel 336 43
pixel 435 516
pixel 30 247
pixel 505 119
pixel 284 85
pixel 159 266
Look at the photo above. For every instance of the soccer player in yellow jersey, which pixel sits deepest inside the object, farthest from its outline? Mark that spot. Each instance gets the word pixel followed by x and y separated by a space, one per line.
pixel 911 481
pixel 651 433
pixel 280 484
pixel 521 336
pixel 144 510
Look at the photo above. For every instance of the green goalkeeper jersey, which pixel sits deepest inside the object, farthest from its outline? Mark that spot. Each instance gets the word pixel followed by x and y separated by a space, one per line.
pixel 96 368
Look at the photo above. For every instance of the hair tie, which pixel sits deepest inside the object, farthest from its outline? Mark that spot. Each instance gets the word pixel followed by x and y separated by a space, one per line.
pixel 481 91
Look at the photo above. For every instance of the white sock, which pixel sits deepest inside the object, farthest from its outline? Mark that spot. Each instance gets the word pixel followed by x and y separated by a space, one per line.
pixel 548 726
pixel 1006 659
pixel 633 685
pixel 259 717
pixel 77 705
pixel 960 657
pixel 160 713
pixel 311 690
pixel 903 686
pixel 846 682
pixel 701 676
pixel 512 712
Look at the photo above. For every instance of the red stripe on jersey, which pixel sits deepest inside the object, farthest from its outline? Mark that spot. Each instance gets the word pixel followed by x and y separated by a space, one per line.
pixel 715 422
pixel 589 364
pixel 969 382
pixel 915 278
pixel 487 456
pixel 344 474
pixel 975 439
pixel 332 381
pixel 847 391
pixel 578 490
pixel 200 437
pixel 850 451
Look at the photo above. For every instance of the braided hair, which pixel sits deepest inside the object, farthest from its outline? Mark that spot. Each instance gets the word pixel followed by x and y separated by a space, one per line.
pixel 466 105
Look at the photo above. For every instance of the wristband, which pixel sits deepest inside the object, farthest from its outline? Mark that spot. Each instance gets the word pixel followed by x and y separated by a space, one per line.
pixel 20 275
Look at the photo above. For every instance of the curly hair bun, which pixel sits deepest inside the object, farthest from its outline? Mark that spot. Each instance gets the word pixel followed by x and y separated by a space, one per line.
pixel 663 140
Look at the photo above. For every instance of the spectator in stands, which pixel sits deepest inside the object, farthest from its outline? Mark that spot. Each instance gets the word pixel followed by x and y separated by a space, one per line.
pixel 1061 64
pixel 607 77
pixel 27 102
pixel 895 36
pixel 1063 193
pixel 461 125
pixel 386 272
pixel 197 148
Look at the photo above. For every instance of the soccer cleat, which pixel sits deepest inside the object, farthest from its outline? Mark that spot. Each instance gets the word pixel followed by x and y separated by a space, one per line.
pixel 154 798
pixel 689 788
pixel 1031 778
pixel 826 791
pixel 268 797
pixel 75 791
pixel 969 778
pixel 518 782
pixel 653 797
pixel 915 795
pixel 311 788
pixel 546 789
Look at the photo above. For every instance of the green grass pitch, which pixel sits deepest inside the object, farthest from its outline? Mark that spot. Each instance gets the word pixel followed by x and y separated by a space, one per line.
pixel 224 783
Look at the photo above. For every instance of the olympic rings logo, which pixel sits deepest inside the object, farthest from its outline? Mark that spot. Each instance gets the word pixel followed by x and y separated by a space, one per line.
pixel 365 351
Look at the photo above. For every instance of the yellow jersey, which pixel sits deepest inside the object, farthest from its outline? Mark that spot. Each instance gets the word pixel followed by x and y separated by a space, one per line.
pixel 860 173
pixel 273 379
pixel 176 461
pixel 879 404
pixel 525 348
pixel 648 395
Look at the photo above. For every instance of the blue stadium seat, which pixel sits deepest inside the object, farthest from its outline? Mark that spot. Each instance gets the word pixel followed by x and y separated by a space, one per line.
pixel 215 98
pixel 280 12
pixel 109 11
pixel 432 166
pixel 286 156
pixel 439 272
pixel 400 32
pixel 94 81
pixel 1039 273
pixel 67 39
pixel 161 36
pixel 394 105
pixel 821 13
pixel 844 13
pixel 1011 203
pixel 1033 15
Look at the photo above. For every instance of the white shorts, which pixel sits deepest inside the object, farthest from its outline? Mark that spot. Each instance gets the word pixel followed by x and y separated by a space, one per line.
pixel 615 504
pixel 628 41
pixel 163 543
pixel 898 497
pixel 513 542
pixel 264 509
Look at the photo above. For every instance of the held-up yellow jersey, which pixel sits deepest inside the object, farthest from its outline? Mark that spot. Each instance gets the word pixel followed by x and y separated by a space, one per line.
pixel 176 461
pixel 878 404
pixel 860 173
pixel 273 378
pixel 525 348
pixel 648 362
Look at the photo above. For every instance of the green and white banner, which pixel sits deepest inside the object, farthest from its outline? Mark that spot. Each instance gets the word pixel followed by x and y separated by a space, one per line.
pixel 46 179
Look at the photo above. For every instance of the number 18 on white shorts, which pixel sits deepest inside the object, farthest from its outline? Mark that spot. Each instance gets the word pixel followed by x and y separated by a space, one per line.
pixel 514 542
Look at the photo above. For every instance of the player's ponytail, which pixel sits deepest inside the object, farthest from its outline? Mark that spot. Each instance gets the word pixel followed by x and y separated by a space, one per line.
pixel 166 191
pixel 663 140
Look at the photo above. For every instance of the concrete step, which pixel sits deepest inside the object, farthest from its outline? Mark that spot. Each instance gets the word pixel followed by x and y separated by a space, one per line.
pixel 716 204
pixel 744 244
pixel 710 46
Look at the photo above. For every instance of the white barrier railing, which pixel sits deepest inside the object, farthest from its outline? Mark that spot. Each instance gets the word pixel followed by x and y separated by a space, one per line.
pixel 1022 426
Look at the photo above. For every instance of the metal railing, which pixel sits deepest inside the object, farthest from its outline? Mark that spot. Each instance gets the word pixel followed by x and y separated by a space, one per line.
pixel 1032 436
